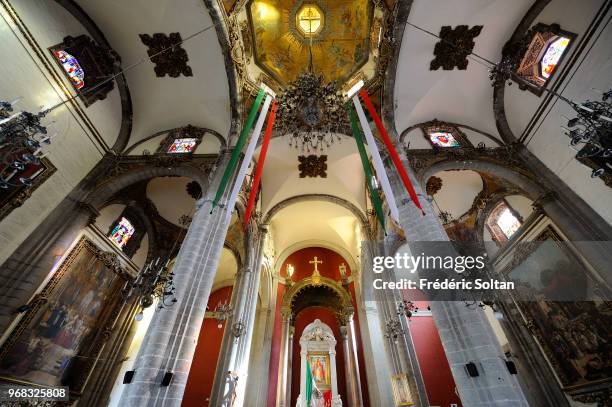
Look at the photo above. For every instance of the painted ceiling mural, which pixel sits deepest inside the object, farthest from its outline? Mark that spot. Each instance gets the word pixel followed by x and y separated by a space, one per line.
pixel 340 37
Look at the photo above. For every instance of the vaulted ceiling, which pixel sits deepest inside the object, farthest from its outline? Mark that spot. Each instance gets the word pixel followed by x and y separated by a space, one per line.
pixel 162 103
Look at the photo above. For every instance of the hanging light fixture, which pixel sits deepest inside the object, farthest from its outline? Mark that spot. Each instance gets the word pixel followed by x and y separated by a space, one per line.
pixel 590 133
pixel 155 281
pixel 21 139
pixel 311 113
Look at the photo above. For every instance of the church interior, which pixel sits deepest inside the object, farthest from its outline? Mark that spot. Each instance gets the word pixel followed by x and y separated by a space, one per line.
pixel 194 196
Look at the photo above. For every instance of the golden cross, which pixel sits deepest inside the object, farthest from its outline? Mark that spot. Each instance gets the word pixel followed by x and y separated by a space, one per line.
pixel 316 262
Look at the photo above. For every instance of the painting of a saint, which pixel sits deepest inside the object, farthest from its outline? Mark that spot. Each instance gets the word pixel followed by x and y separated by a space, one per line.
pixel 52 335
pixel 319 364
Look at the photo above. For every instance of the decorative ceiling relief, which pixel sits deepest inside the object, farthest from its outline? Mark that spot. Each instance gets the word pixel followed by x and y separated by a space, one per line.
pixel 339 32
pixel 172 62
pixel 454 47
pixel 312 166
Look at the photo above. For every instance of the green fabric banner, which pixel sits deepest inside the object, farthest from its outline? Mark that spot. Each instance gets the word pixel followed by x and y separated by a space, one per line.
pixel 366 166
pixel 309 381
pixel 229 170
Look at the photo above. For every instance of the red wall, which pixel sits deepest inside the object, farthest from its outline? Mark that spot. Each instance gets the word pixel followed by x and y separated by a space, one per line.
pixel 275 348
pixel 435 369
pixel 202 372
pixel 300 261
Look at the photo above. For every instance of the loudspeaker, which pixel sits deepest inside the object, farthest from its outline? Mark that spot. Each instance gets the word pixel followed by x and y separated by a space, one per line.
pixel 511 367
pixel 128 376
pixel 167 379
pixel 472 370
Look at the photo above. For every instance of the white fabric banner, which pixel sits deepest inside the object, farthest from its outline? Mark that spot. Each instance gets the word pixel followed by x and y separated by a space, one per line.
pixel 378 164
pixel 248 156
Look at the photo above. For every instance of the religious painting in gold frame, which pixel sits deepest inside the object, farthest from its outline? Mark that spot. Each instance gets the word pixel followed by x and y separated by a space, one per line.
pixel 401 390
pixel 59 338
pixel 321 369
pixel 573 335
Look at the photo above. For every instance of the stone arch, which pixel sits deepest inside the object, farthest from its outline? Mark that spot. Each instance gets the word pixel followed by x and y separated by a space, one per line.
pixel 340 301
pixel 124 92
pixel 531 189
pixel 315 197
pixel 212 132
pixel 458 125
pixel 100 195
pixel 499 88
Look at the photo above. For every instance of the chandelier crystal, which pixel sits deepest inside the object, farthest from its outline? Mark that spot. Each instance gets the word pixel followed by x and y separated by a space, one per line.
pixel 311 113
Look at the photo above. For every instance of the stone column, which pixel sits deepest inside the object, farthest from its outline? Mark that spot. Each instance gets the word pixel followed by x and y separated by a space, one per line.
pixel 170 342
pixel 465 333
pixel 289 374
pixel 351 365
pixel 281 389
pixel 235 347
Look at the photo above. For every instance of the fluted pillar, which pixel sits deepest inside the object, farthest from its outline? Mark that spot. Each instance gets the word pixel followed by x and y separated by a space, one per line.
pixel 236 344
pixel 283 370
pixel 169 345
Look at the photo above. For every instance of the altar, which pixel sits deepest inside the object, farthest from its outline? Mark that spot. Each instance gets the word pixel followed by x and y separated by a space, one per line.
pixel 318 378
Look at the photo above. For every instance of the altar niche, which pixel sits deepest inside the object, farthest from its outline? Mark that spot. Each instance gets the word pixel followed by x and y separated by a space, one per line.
pixel 318 348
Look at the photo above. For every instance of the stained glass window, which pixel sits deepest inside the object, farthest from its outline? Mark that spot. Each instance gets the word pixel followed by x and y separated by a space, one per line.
pixel 309 20
pixel 183 145
pixel 72 68
pixel 507 222
pixel 443 139
pixel 552 56
pixel 122 233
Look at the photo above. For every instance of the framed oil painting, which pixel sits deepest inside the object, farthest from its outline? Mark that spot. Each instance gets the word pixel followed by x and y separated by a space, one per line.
pixel 575 336
pixel 59 337
pixel 401 390
pixel 320 365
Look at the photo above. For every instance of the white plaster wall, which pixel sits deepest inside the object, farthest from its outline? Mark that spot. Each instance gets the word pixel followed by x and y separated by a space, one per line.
pixel 72 151
pixel 108 215
pixel 140 257
pixel 521 204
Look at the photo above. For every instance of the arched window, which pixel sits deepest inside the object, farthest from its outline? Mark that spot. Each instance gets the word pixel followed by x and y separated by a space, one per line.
pixel 87 65
pixel 122 232
pixel 442 135
pixel 503 222
pixel 543 50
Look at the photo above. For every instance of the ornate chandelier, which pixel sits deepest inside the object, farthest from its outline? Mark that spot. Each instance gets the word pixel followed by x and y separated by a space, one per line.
pixel 311 113
pixel 592 130
pixel 21 136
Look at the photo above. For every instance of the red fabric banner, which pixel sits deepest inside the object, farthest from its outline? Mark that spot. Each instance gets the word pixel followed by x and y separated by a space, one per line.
pixel 394 156
pixel 260 164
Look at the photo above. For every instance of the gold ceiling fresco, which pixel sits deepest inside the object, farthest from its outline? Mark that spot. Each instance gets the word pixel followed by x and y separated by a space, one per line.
pixel 340 38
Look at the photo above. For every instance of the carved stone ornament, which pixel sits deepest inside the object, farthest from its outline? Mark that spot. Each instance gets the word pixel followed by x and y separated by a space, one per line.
pixel 434 184
pixel 454 47
pixel 170 58
pixel 194 190
pixel 312 166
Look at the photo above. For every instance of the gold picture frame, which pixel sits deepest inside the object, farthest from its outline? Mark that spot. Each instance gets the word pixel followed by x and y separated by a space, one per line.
pixel 401 390
pixel 321 369
pixel 67 324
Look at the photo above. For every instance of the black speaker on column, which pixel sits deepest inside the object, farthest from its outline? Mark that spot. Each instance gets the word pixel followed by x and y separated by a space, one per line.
pixel 511 367
pixel 167 379
pixel 128 376
pixel 472 369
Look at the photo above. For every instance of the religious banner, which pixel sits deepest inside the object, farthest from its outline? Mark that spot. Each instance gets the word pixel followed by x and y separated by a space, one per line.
pixel 59 337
